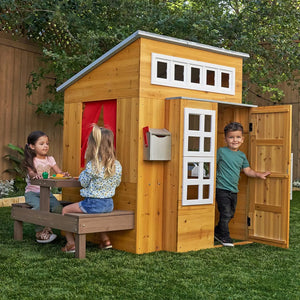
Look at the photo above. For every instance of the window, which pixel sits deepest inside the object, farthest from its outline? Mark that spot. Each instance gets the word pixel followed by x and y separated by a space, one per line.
pixel 161 69
pixel 195 75
pixel 224 80
pixel 198 156
pixel 190 74
pixel 210 77
pixel 178 72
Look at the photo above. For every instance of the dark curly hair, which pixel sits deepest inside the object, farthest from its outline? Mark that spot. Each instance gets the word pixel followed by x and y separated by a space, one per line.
pixel 233 126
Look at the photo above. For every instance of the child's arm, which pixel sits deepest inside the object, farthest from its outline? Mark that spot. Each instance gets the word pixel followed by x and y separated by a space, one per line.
pixel 57 170
pixel 33 175
pixel 251 173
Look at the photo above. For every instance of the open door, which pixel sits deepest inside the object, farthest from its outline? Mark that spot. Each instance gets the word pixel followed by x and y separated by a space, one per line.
pixel 270 150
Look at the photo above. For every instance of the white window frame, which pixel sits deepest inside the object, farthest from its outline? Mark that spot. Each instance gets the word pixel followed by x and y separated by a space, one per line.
pixel 186 83
pixel 199 157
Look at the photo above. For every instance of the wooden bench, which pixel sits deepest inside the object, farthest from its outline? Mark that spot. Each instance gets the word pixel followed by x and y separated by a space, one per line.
pixel 79 224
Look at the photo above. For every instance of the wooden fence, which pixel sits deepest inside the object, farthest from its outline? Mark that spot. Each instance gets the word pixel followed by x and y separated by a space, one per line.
pixel 17 116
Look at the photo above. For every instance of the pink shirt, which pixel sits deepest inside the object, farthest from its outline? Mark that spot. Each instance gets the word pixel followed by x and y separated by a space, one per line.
pixel 41 165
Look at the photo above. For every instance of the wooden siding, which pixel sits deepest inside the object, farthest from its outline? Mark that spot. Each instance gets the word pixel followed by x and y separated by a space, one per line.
pixel 17 117
pixel 161 92
pixel 182 228
pixel 150 181
pixel 116 78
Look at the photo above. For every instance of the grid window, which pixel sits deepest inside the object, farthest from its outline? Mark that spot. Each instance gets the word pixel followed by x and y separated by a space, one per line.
pixel 198 156
pixel 190 74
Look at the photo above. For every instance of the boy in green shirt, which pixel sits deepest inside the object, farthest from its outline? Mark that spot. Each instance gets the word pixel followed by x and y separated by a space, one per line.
pixel 230 162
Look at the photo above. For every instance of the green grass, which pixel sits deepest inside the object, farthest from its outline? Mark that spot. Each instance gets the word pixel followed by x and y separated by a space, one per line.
pixel 32 271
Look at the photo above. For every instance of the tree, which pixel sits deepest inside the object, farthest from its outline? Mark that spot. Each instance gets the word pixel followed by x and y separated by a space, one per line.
pixel 73 33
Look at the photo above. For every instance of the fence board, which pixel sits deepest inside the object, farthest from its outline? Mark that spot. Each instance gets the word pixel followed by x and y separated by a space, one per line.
pixel 17 116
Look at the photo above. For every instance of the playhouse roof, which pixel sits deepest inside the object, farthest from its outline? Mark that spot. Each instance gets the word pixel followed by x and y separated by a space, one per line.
pixel 152 36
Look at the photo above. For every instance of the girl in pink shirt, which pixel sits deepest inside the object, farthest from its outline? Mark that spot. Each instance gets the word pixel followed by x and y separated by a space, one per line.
pixel 36 162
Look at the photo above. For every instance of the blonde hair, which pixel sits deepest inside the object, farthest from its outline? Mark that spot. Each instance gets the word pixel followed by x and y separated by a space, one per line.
pixel 100 150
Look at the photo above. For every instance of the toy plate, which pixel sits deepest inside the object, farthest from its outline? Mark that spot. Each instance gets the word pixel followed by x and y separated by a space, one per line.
pixel 66 177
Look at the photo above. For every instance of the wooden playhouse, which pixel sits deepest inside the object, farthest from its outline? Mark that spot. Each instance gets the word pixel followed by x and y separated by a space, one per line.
pixel 168 100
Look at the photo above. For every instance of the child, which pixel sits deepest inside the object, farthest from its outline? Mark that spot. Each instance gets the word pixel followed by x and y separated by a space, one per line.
pixel 99 181
pixel 230 161
pixel 37 161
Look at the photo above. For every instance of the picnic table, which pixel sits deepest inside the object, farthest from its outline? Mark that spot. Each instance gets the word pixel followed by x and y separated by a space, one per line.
pixel 78 223
pixel 47 184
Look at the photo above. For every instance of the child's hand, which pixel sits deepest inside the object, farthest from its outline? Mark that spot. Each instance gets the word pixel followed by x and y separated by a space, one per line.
pixel 66 174
pixel 37 177
pixel 264 175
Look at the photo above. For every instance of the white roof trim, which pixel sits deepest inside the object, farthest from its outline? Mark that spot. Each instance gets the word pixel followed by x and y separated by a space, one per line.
pixel 153 36
pixel 214 101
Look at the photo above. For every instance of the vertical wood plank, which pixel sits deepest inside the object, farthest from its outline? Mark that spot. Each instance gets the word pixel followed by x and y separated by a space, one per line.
pixel 17 116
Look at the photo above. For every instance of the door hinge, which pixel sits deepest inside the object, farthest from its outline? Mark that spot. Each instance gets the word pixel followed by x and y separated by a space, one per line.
pixel 248 221
pixel 250 127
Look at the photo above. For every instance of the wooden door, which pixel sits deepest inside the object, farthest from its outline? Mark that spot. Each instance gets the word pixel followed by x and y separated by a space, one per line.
pixel 270 150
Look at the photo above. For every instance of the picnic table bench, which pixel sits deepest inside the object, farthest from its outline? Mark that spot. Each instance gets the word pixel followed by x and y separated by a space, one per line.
pixel 79 224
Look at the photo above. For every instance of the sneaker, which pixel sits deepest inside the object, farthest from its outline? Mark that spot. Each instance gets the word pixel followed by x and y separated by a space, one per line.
pixel 227 242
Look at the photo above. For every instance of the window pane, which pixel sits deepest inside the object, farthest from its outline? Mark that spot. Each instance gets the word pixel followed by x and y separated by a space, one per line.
pixel 178 74
pixel 161 69
pixel 193 143
pixel 195 75
pixel 225 80
pixel 192 192
pixel 193 170
pixel 210 77
pixel 207 123
pixel 194 122
pixel 205 194
pixel 206 144
pixel 206 170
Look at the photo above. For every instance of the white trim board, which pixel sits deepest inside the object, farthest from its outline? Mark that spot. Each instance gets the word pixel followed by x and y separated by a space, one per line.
pixel 213 101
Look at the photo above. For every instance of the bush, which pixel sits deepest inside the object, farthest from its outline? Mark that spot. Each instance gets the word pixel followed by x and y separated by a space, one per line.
pixel 15 158
pixel 6 187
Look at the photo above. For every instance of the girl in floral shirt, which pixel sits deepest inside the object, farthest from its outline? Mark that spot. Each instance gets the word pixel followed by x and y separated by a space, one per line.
pixel 99 180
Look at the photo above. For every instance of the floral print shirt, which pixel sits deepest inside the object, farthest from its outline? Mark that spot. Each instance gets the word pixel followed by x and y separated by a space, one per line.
pixel 95 185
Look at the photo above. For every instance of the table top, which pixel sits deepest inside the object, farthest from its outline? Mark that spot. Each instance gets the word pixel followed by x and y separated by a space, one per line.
pixel 51 182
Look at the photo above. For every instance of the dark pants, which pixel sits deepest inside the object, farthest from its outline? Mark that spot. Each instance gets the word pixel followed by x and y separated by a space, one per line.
pixel 226 201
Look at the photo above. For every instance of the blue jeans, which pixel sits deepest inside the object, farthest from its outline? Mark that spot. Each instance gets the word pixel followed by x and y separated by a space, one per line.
pixel 96 205
pixel 226 201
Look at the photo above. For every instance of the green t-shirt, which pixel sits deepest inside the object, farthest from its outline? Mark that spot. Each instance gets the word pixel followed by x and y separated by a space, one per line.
pixel 229 165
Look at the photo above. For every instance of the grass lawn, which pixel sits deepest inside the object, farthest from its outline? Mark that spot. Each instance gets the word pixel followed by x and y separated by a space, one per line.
pixel 29 270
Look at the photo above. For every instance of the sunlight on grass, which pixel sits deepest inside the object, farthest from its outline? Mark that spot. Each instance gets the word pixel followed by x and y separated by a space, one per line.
pixel 33 271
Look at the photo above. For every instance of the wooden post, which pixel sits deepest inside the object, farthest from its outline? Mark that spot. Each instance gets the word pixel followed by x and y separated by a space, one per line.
pixel 45 198
pixel 18 230
pixel 80 245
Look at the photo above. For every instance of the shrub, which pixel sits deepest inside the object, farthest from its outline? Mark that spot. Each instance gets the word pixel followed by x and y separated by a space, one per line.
pixel 6 187
pixel 15 159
